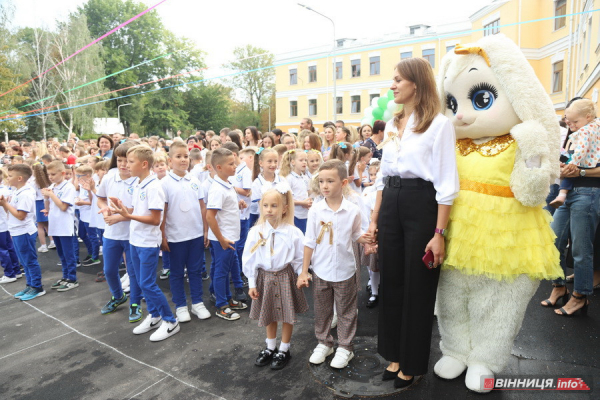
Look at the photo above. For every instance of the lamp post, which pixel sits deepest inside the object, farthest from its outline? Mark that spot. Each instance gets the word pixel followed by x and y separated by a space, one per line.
pixel 119 113
pixel 334 63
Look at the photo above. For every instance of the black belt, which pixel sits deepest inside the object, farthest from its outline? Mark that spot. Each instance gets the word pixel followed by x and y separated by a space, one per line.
pixel 397 182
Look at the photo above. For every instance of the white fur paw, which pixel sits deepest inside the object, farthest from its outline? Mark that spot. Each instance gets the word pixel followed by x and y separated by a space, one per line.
pixel 474 381
pixel 449 367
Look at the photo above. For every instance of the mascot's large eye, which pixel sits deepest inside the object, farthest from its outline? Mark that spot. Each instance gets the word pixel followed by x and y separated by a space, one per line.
pixel 451 103
pixel 482 96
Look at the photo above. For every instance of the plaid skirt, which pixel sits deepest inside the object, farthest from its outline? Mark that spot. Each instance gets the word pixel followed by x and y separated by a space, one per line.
pixel 279 298
pixel 371 261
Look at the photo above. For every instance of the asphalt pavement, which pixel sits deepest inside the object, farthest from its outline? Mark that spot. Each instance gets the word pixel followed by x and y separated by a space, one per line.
pixel 60 347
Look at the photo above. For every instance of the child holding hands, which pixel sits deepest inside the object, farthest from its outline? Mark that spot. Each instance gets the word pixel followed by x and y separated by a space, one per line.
pixel 272 259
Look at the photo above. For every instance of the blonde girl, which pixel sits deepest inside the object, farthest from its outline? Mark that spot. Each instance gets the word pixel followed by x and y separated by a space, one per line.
pixel 358 168
pixel 314 161
pixel 215 143
pixel 265 160
pixel 271 260
pixel 328 141
pixel 293 168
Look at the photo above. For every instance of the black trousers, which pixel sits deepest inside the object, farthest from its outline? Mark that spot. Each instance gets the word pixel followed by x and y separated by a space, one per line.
pixel 407 222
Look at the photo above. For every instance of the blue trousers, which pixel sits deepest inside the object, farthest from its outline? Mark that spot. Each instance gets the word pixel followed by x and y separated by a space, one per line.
pixel 145 261
pixel 211 288
pixel 225 262
pixel 240 244
pixel 64 247
pixel 300 224
pixel 113 252
pixel 75 248
pixel 83 234
pixel 551 196
pixel 188 254
pixel 91 235
pixel 8 256
pixel 27 254
pixel 253 219
pixel 166 257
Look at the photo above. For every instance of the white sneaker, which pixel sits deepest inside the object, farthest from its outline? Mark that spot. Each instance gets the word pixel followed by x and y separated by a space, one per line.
pixel 200 310
pixel 125 282
pixel 100 251
pixel 341 359
pixel 79 240
pixel 19 276
pixel 125 278
pixel 126 289
pixel 52 245
pixel 334 321
pixel 6 279
pixel 183 314
pixel 147 325
pixel 166 330
pixel 320 353
pixel 449 367
pixel 473 379
pixel 43 249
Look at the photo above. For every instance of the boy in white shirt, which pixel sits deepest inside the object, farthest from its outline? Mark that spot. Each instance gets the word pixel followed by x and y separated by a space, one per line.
pixel 205 187
pixel 334 223
pixel 185 232
pixel 84 202
pixel 223 217
pixel 145 237
pixel 21 225
pixel 8 256
pixel 59 200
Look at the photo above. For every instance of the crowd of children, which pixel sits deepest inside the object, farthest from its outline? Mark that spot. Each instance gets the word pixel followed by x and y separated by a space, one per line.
pixel 274 219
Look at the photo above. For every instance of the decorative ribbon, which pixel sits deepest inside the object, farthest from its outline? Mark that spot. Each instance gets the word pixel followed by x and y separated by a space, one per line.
pixel 326 226
pixel 391 136
pixel 261 242
pixel 486 188
pixel 260 149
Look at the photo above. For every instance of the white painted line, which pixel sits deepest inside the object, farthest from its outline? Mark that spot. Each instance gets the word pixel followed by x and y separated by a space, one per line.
pixel 137 394
pixel 27 348
pixel 117 350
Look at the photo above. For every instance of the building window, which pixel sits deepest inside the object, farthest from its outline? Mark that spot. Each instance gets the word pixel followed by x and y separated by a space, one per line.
pixel 339 105
pixel 338 70
pixel 312 107
pixel 312 73
pixel 293 108
pixel 405 55
pixel 557 76
pixel 372 96
pixel 429 55
pixel 355 104
pixel 450 48
pixel 560 8
pixel 355 68
pixel 492 28
pixel 374 65
pixel 293 76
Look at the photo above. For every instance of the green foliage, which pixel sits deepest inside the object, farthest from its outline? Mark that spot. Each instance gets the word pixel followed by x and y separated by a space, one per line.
pixel 208 106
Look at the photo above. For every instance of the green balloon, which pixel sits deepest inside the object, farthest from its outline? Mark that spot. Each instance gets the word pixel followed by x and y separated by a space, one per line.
pixel 378 113
pixel 390 94
pixel 382 102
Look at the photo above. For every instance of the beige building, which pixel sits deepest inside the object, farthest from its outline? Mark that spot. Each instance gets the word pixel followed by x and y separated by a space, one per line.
pixel 564 52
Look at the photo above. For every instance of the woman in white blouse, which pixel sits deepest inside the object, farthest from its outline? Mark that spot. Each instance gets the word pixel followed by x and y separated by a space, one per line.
pixel 417 184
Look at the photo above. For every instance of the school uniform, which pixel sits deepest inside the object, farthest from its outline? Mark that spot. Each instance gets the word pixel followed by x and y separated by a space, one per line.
pixel 199 172
pixel 86 233
pixel 8 256
pixel 39 201
pixel 272 261
pixel 115 241
pixel 243 180
pixel 260 186
pixel 331 235
pixel 205 187
pixel 61 226
pixel 145 240
pixel 223 197
pixel 24 235
pixel 184 231
pixel 299 186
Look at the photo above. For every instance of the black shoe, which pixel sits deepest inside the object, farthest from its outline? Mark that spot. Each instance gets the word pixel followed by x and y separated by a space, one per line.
pixel 280 359
pixel 240 295
pixel 369 289
pixel 372 302
pixel 400 383
pixel 88 258
pixel 205 276
pixel 564 298
pixel 264 357
pixel 389 375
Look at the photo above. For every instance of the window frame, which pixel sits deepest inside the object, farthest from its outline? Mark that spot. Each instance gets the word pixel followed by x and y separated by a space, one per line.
pixel 355 68
pixel 293 76
pixel 312 69
pixel 312 103
pixel 375 64
pixel 557 77
pixel 492 28
pixel 339 105
pixel 402 57
pixel 355 100
pixel 293 108
pixel 560 22
pixel 339 70
pixel 427 57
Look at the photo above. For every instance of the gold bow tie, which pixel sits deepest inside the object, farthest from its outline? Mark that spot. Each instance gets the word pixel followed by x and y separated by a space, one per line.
pixel 391 136
pixel 261 242
pixel 326 226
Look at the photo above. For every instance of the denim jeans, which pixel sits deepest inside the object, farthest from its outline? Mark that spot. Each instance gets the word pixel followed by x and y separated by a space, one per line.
pixel 554 189
pixel 580 215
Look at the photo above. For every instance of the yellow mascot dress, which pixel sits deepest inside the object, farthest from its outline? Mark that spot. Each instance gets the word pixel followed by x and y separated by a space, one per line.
pixel 499 240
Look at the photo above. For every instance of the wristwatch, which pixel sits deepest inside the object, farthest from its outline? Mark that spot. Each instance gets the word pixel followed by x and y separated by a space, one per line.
pixel 440 231
pixel 582 172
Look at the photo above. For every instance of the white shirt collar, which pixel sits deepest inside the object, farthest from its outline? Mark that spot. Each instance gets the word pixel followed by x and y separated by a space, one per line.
pixel 222 182
pixel 173 175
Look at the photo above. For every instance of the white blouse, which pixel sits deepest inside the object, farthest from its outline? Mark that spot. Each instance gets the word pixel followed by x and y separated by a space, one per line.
pixel 429 155
pixel 282 246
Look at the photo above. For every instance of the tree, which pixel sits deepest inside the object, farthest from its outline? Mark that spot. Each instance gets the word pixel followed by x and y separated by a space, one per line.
pixel 255 80
pixel 208 106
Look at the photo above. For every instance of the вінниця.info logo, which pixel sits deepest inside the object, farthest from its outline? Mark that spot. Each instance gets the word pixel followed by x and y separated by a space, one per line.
pixel 537 383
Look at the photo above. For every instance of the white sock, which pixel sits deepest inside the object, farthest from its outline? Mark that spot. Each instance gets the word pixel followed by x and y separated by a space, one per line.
pixel 284 347
pixel 374 282
pixel 271 343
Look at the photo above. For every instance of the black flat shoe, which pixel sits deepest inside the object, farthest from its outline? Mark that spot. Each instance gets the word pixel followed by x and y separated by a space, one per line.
pixel 280 359
pixel 369 289
pixel 389 375
pixel 264 357
pixel 400 383
pixel 373 303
